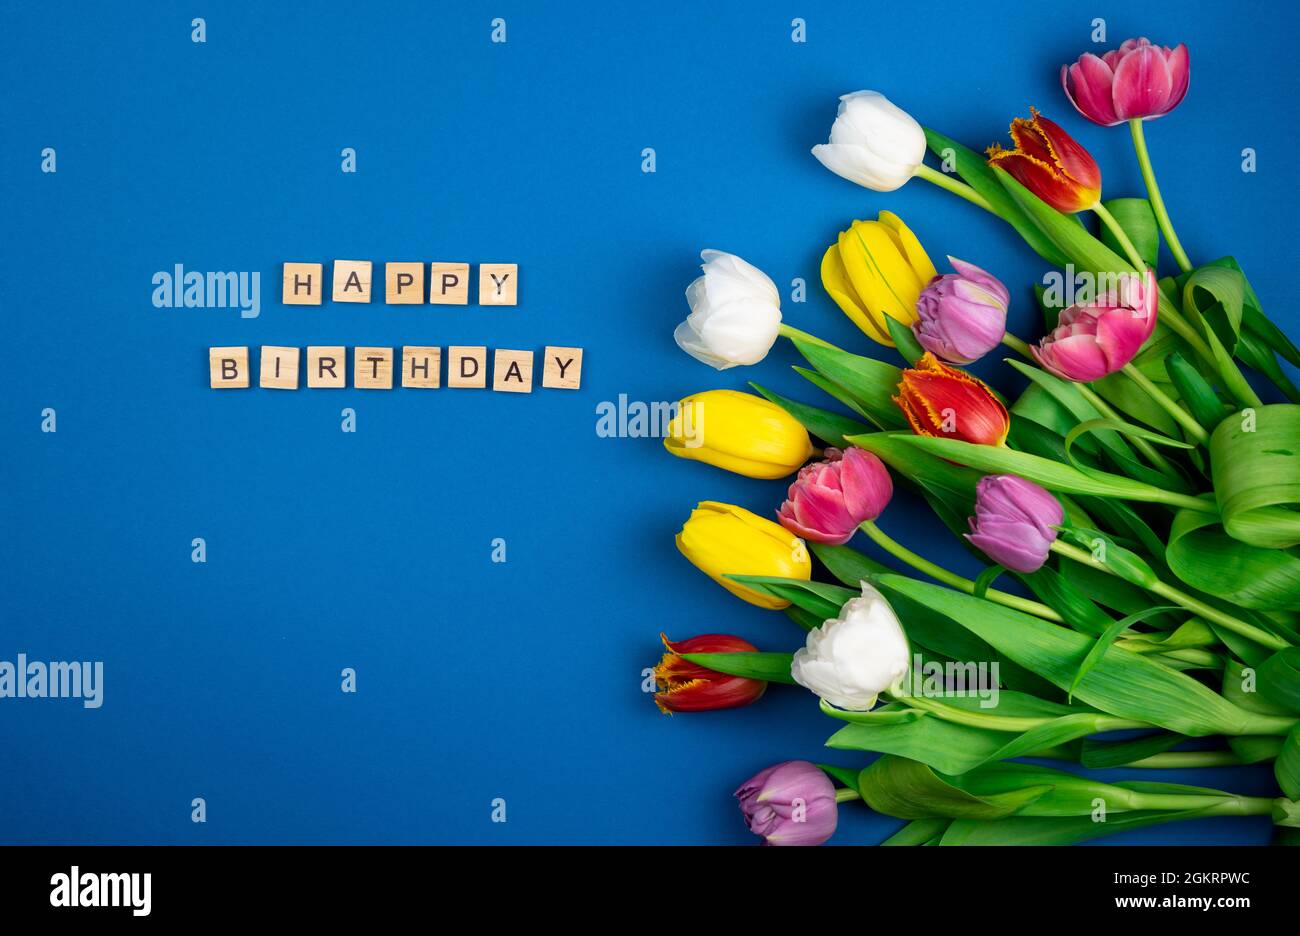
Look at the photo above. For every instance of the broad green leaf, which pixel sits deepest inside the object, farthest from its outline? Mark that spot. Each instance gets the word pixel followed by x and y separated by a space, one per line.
pixel 825 425
pixel 1104 642
pixel 1287 766
pixel 908 789
pixel 872 383
pixel 1126 685
pixel 1203 555
pixel 1255 462
pixel 832 389
pixel 972 167
pixel 1196 392
pixel 919 832
pixel 769 667
pixel 1279 679
pixel 1052 830
pixel 904 340
pixel 1099 755
pixel 1139 223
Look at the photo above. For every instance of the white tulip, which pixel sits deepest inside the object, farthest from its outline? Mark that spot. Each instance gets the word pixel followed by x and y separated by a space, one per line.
pixel 873 143
pixel 852 659
pixel 735 313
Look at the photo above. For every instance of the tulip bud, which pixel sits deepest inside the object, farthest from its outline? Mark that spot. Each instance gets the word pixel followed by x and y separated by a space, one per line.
pixel 873 143
pixel 948 403
pixel 1047 161
pixel 1137 81
pixel 1100 338
pixel 850 660
pixel 790 804
pixel 687 687
pixel 830 498
pixel 1014 521
pixel 962 316
pixel 740 432
pixel 722 540
pixel 877 269
pixel 735 313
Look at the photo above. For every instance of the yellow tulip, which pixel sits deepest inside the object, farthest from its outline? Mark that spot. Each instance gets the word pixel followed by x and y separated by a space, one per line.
pixel 877 269
pixel 740 432
pixel 722 540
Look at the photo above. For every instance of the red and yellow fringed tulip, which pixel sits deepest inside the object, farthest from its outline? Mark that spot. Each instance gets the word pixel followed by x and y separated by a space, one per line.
pixel 948 403
pixel 684 686
pixel 1047 161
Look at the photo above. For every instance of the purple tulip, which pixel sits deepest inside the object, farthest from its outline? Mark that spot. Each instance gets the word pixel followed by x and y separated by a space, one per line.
pixel 790 804
pixel 962 316
pixel 1013 522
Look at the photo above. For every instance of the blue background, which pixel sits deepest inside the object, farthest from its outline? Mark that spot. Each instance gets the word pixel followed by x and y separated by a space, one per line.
pixel 371 550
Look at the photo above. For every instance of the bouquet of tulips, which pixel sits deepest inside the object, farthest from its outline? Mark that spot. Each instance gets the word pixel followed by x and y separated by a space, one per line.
pixel 1138 502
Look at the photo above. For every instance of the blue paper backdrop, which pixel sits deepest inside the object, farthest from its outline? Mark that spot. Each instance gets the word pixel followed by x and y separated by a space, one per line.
pixel 371 550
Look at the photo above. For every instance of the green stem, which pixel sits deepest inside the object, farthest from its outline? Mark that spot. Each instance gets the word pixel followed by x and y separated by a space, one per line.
pixel 944 181
pixel 1222 805
pixel 791 332
pixel 1153 194
pixel 1168 592
pixel 1108 219
pixel 953 580
pixel 1184 760
pixel 1152 454
pixel 1180 415
pixel 845 794
pixel 1009 723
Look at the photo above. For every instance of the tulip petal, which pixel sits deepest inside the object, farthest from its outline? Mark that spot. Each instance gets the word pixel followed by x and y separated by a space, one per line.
pixel 1087 84
pixel 1142 84
pixel 1180 76
pixel 836 281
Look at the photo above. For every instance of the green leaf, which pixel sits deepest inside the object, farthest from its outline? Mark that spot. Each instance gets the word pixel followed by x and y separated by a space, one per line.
pixel 1287 766
pixel 872 383
pixel 1123 684
pixel 825 425
pixel 1124 563
pixel 1099 755
pixel 1108 637
pixel 897 786
pixel 769 667
pixel 1202 554
pixel 831 388
pixel 816 598
pixel 1139 223
pixel 919 832
pixel 1196 392
pixel 904 340
pixel 972 167
pixel 1054 830
pixel 1255 464
pixel 1279 679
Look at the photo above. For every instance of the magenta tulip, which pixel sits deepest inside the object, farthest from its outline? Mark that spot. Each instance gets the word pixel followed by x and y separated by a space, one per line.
pixel 790 804
pixel 830 498
pixel 1097 339
pixel 1013 522
pixel 962 316
pixel 1137 81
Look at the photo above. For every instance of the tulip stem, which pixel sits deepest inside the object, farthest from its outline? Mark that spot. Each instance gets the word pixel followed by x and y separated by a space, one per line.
pixel 952 579
pixel 845 794
pixel 944 181
pixel 1108 219
pixel 1168 592
pixel 1180 415
pixel 1158 461
pixel 793 334
pixel 1153 194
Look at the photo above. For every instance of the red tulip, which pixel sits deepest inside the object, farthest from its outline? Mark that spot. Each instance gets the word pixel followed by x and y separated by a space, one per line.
pixel 1049 163
pixel 948 403
pixel 687 687
pixel 1137 81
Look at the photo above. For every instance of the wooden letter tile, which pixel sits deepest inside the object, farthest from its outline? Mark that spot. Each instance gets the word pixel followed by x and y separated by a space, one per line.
pixel 327 366
pixel 405 283
pixel 352 280
pixel 303 283
pixel 498 284
pixel 562 368
pixel 372 368
pixel 466 367
pixel 512 371
pixel 420 366
pixel 449 283
pixel 228 367
pixel 279 368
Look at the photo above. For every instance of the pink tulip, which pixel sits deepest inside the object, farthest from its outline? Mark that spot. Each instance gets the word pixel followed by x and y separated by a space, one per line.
pixel 1137 81
pixel 1100 338
pixel 830 498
